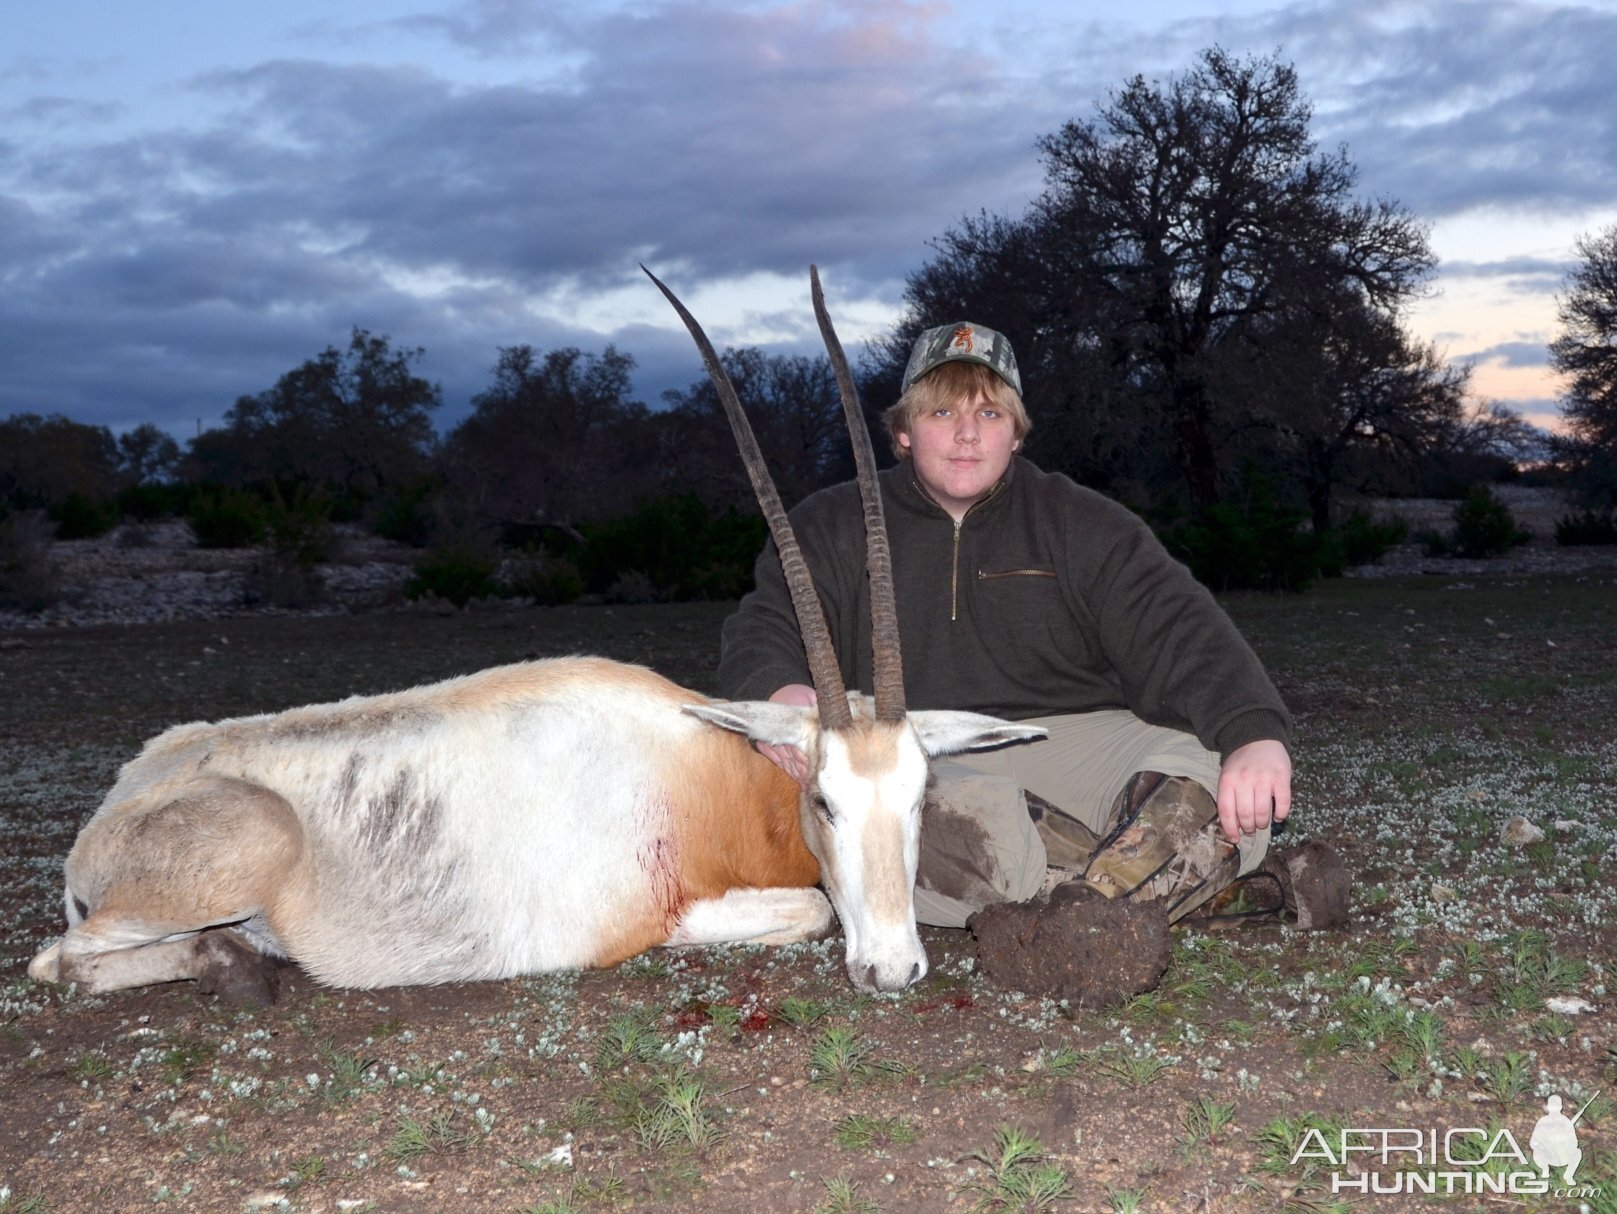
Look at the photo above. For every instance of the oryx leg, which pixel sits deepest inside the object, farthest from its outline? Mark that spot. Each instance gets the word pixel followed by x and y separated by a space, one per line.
pixel 755 916
pixel 153 879
pixel 220 960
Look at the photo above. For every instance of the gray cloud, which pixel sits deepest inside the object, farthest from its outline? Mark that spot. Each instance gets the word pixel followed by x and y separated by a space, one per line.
pixel 1514 354
pixel 496 29
pixel 62 111
pixel 712 142
pixel 1531 272
pixel 158 275
pixel 1448 103
pixel 1444 104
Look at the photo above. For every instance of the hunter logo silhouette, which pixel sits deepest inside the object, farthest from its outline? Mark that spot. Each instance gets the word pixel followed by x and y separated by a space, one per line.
pixel 1555 1139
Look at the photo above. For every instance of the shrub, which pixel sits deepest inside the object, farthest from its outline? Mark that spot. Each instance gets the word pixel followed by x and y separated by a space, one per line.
pixel 1434 543
pixel 349 505
pixel 275 581
pixel 300 539
pixel 1586 527
pixel 1253 543
pixel 300 531
pixel 149 502
pixel 1484 526
pixel 1365 541
pixel 457 572
pixel 407 517
pixel 29 579
pixel 227 518
pixel 718 580
pixel 78 517
pixel 1358 540
pixel 632 589
pixel 681 548
pixel 547 580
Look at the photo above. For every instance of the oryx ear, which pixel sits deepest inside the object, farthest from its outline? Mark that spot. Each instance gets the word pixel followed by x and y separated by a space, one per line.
pixel 760 720
pixel 947 733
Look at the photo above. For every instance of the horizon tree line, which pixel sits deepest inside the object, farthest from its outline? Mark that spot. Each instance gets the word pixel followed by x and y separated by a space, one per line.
pixel 1198 298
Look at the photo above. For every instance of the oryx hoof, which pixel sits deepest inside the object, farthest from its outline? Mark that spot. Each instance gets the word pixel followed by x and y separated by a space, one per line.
pixel 239 976
pixel 47 966
pixel 1314 883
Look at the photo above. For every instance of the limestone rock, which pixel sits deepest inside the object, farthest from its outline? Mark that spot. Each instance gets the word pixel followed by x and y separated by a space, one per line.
pixel 1519 832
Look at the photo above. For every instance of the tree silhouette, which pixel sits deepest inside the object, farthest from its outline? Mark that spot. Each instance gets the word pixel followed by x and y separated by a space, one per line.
pixel 796 412
pixel 1586 353
pixel 46 460
pixel 1180 229
pixel 1343 394
pixel 147 455
pixel 554 441
pixel 356 422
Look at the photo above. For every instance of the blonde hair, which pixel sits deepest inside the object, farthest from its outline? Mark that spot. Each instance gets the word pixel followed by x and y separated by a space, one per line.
pixel 950 384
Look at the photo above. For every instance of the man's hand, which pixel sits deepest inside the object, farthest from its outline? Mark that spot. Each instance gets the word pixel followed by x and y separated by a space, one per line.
pixel 790 759
pixel 1254 788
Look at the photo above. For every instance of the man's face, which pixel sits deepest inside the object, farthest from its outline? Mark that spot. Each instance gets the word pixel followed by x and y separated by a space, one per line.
pixel 960 451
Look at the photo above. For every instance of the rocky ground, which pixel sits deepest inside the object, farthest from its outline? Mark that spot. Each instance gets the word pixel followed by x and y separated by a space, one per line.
pixel 1472 983
pixel 1434 713
pixel 141 573
pixel 1533 508
pixel 150 572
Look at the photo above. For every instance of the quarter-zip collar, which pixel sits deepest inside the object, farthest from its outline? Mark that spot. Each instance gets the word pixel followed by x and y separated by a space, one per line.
pixel 908 478
pixel 996 491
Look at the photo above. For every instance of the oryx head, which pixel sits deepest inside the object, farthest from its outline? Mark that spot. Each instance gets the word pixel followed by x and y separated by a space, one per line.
pixel 861 810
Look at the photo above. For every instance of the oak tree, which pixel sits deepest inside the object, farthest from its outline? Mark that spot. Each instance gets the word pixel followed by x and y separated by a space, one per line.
pixel 1586 353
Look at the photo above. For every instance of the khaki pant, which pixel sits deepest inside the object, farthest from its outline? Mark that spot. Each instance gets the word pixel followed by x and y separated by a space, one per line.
pixel 980 846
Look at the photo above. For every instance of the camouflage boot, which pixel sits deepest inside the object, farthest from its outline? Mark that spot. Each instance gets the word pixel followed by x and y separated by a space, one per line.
pixel 1103 937
pixel 1165 846
pixel 1068 843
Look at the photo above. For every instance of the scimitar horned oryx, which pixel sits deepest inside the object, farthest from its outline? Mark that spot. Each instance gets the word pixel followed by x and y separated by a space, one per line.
pixel 546 815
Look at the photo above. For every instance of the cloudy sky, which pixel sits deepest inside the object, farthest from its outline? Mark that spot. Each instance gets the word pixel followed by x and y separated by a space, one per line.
pixel 195 196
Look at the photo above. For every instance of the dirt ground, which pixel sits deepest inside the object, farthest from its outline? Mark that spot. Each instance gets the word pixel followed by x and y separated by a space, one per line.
pixel 750 1079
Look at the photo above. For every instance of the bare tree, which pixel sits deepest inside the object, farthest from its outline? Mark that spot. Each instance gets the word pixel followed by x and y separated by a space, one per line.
pixel 1178 228
pixel 356 422
pixel 1586 353
pixel 555 441
pixel 796 413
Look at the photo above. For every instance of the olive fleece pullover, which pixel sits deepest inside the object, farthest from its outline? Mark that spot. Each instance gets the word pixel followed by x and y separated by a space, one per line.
pixel 1046 598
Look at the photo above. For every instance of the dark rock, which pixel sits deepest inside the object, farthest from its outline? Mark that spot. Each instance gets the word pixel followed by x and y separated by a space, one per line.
pixel 1077 945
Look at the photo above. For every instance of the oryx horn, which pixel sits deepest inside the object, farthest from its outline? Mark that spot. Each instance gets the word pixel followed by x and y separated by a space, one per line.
pixel 886 661
pixel 829 689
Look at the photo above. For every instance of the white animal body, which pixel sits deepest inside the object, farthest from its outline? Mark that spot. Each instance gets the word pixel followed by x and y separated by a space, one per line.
pixel 553 814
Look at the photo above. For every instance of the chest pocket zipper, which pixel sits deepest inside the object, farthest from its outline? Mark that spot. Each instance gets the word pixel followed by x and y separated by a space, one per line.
pixel 984 575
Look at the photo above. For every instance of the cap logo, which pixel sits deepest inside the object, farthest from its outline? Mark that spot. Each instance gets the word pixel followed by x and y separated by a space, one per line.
pixel 961 341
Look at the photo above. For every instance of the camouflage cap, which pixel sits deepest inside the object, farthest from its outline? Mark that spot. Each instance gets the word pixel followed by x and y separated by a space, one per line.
pixel 964 342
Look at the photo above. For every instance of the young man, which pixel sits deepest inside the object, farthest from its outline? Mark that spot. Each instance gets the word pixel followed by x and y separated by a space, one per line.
pixel 1023 595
